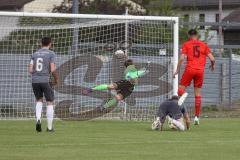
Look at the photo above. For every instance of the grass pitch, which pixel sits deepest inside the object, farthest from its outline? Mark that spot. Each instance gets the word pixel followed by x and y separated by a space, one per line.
pixel 214 139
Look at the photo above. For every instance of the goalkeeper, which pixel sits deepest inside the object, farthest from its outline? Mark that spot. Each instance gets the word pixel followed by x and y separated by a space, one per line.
pixel 124 87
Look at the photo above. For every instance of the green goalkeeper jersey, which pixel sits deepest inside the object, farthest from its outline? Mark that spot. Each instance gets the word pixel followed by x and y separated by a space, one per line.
pixel 132 74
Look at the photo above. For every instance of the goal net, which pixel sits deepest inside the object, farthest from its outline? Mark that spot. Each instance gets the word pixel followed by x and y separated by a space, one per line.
pixel 85 47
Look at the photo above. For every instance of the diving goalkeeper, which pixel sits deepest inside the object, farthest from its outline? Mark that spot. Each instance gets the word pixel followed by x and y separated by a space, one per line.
pixel 123 87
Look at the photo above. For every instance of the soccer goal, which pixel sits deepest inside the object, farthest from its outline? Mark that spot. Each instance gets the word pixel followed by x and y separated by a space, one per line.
pixel 85 47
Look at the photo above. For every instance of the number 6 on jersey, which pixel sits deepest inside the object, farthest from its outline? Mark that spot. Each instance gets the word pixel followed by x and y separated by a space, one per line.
pixel 39 64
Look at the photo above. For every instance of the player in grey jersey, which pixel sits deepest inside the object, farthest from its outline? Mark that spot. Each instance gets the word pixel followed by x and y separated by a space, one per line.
pixel 42 65
pixel 171 109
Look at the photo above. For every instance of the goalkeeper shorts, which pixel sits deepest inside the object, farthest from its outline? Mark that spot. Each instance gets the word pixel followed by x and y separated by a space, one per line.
pixel 125 88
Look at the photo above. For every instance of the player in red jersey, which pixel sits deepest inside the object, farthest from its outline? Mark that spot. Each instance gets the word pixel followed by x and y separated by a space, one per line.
pixel 196 53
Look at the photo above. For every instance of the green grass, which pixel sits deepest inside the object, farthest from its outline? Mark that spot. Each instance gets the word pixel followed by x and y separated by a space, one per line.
pixel 214 139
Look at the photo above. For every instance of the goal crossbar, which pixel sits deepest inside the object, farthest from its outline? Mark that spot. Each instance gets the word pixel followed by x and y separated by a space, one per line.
pixel 89 16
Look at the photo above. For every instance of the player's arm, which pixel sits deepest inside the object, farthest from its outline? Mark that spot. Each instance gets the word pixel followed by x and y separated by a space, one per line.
pixel 181 59
pixel 187 120
pixel 139 73
pixel 30 66
pixel 185 116
pixel 212 59
pixel 144 70
pixel 53 69
pixel 183 55
pixel 54 73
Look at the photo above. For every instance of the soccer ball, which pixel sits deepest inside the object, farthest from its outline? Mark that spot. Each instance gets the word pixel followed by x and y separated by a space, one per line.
pixel 119 53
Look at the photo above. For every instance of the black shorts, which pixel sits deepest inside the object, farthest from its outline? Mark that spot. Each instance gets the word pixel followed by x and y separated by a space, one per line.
pixel 125 88
pixel 43 88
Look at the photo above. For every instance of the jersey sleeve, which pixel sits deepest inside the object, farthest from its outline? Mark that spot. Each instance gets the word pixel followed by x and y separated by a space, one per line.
pixel 135 74
pixel 31 60
pixel 52 58
pixel 184 49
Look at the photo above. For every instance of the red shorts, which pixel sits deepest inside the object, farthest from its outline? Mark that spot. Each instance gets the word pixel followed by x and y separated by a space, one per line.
pixel 192 74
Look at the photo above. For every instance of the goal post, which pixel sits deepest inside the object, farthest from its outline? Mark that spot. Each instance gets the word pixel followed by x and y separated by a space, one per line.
pixel 146 38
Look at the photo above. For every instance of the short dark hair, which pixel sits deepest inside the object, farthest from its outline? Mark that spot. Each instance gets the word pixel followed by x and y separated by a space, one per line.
pixel 46 41
pixel 128 62
pixel 192 32
pixel 174 97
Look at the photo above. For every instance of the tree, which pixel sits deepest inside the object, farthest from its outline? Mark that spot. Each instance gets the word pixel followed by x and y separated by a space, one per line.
pixel 99 7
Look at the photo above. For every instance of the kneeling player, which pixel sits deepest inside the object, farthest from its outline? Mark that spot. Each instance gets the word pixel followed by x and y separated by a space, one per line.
pixel 123 87
pixel 186 117
pixel 171 109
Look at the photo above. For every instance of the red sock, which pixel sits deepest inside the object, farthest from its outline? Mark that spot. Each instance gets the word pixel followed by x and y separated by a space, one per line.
pixel 197 105
pixel 181 91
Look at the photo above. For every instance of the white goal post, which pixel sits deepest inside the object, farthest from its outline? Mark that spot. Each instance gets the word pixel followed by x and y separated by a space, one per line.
pixel 84 45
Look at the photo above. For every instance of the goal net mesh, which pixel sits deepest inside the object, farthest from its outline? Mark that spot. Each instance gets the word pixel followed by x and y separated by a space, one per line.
pixel 85 57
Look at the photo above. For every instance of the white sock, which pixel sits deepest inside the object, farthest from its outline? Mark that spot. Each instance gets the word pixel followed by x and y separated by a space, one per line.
pixel 39 110
pixel 178 124
pixel 49 115
pixel 182 99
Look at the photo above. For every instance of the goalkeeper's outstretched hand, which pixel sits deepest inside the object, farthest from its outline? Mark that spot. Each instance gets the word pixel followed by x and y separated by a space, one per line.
pixel 148 64
pixel 87 91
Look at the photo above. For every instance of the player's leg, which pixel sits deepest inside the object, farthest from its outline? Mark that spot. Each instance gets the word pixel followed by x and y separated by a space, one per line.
pixel 198 82
pixel 113 102
pixel 181 90
pixel 182 94
pixel 39 104
pixel 101 87
pixel 185 82
pixel 49 96
pixel 179 125
pixel 198 101
pixel 50 115
pixel 125 89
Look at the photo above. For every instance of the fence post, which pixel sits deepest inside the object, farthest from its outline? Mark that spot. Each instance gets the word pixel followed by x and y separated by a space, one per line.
pixel 230 79
pixel 75 10
pixel 126 52
pixel 223 82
